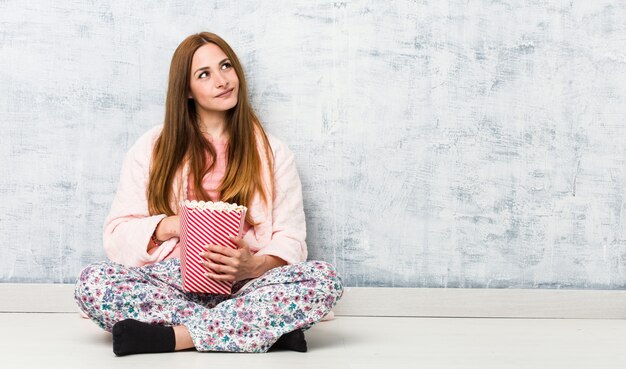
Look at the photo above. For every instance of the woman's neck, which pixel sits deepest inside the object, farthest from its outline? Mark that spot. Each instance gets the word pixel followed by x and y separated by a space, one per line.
pixel 214 126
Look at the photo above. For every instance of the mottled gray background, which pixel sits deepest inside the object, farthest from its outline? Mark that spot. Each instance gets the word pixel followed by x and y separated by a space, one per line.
pixel 440 143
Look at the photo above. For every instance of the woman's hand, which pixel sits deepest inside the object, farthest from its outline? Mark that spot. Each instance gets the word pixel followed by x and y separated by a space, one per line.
pixel 168 227
pixel 226 264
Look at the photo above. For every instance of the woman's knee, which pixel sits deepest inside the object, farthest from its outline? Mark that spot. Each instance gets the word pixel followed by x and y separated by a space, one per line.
pixel 91 279
pixel 328 278
pixel 86 277
pixel 93 272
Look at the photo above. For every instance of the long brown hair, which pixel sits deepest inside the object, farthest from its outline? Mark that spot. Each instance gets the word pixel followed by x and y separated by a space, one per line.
pixel 181 139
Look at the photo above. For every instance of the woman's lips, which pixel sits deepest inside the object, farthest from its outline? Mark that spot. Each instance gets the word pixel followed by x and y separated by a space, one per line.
pixel 225 94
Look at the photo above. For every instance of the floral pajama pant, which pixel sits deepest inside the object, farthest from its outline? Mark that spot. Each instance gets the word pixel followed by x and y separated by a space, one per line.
pixel 283 299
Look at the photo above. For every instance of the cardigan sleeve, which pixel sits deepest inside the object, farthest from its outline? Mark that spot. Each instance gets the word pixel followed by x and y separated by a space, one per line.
pixel 129 225
pixel 288 222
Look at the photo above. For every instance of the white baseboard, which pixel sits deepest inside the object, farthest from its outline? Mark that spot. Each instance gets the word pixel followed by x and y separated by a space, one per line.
pixel 483 303
pixel 416 302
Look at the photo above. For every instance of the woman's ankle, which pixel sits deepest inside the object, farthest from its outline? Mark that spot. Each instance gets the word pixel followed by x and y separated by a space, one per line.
pixel 183 338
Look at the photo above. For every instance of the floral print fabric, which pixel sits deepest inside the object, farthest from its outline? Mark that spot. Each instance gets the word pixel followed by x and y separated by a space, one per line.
pixel 258 312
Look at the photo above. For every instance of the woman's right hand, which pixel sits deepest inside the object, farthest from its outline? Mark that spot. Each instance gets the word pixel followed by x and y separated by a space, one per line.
pixel 168 227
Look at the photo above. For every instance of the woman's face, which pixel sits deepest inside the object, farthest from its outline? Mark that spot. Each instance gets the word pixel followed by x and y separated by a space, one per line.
pixel 214 84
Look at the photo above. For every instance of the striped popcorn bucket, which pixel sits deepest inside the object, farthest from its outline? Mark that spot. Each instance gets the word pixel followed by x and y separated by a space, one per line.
pixel 201 224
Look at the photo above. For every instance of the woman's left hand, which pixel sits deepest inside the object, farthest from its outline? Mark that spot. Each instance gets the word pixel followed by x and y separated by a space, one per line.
pixel 230 264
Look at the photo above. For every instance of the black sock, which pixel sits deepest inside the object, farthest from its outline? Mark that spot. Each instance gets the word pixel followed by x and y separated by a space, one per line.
pixel 293 341
pixel 134 337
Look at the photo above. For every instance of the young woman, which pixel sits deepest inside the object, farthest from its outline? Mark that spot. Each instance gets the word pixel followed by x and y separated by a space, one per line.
pixel 211 147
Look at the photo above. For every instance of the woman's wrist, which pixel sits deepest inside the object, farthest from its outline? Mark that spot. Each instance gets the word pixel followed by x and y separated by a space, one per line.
pixel 165 229
pixel 267 262
pixel 158 236
pixel 155 239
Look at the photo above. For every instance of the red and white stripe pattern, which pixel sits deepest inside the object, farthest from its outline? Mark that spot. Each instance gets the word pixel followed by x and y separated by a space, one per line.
pixel 199 227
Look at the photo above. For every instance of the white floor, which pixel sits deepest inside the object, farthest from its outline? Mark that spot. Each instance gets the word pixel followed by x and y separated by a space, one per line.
pixel 62 340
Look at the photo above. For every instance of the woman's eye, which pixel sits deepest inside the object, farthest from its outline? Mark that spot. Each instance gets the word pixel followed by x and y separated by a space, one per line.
pixel 203 74
pixel 226 65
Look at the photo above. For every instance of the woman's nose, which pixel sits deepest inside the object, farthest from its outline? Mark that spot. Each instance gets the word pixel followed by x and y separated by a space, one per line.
pixel 220 81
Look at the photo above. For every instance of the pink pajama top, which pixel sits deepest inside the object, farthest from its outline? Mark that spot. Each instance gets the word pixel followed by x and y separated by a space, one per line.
pixel 210 183
pixel 280 228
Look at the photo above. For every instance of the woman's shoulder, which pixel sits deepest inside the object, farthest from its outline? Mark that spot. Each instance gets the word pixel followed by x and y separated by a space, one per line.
pixel 141 150
pixel 147 140
pixel 149 137
pixel 279 147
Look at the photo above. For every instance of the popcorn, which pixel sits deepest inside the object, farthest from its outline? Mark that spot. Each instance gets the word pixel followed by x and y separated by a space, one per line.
pixel 210 205
pixel 203 223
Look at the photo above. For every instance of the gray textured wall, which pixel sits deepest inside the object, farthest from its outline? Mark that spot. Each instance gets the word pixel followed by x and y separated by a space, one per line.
pixel 440 143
